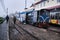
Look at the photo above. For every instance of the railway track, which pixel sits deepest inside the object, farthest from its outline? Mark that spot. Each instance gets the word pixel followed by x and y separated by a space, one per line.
pixel 36 33
pixel 18 28
pixel 54 29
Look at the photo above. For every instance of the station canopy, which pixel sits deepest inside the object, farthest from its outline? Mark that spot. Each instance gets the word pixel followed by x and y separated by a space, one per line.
pixel 23 13
pixel 57 6
pixel 29 11
pixel 53 8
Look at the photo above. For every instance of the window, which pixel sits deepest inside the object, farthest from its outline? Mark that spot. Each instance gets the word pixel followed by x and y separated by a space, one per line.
pixel 44 3
pixel 58 15
pixel 41 4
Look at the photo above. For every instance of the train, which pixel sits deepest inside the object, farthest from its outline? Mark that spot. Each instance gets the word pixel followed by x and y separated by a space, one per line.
pixel 41 18
pixel 55 16
pixel 33 17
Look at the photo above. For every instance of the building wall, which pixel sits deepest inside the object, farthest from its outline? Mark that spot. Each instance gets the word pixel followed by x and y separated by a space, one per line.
pixel 46 4
pixel 35 1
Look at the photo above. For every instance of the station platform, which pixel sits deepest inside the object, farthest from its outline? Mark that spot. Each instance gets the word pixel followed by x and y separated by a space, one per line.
pixel 4 31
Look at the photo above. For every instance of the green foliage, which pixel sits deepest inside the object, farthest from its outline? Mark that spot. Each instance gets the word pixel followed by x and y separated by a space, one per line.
pixel 1 20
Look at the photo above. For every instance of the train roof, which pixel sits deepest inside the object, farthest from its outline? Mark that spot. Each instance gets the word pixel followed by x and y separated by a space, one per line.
pixel 28 11
pixel 23 13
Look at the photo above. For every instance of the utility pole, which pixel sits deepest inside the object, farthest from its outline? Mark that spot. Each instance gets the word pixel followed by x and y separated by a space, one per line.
pixel 25 4
pixel 7 11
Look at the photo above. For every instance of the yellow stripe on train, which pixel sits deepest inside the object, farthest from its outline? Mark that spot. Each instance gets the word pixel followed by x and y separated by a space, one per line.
pixel 54 21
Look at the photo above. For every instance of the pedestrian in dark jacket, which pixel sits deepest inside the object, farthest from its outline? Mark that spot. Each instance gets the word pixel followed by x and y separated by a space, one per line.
pixel 7 18
pixel 14 19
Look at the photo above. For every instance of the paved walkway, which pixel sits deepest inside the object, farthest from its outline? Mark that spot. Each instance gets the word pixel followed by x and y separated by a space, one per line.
pixel 4 31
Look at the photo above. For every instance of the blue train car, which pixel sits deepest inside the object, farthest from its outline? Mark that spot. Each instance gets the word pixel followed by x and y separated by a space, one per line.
pixel 31 17
pixel 22 16
pixel 43 18
pixel 38 18
pixel 28 17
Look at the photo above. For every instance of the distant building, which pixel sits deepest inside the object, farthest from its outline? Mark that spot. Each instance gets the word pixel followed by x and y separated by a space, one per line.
pixel 46 4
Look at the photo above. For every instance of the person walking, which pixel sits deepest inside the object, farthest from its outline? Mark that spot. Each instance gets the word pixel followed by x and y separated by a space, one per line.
pixel 7 18
pixel 14 19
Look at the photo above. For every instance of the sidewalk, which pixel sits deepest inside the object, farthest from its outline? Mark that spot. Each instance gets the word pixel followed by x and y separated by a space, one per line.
pixel 4 31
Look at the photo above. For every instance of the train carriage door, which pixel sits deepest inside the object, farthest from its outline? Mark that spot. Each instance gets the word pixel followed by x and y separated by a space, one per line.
pixel 58 17
pixel 34 16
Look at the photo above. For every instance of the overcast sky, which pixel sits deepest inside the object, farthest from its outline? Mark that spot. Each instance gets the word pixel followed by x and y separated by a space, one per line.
pixel 13 6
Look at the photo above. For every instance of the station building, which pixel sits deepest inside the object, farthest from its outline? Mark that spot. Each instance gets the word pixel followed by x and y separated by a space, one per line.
pixel 46 4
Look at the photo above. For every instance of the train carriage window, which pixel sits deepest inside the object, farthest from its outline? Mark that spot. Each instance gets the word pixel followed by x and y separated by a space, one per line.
pixel 58 15
pixel 29 14
pixel 52 16
pixel 55 16
pixel 55 13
